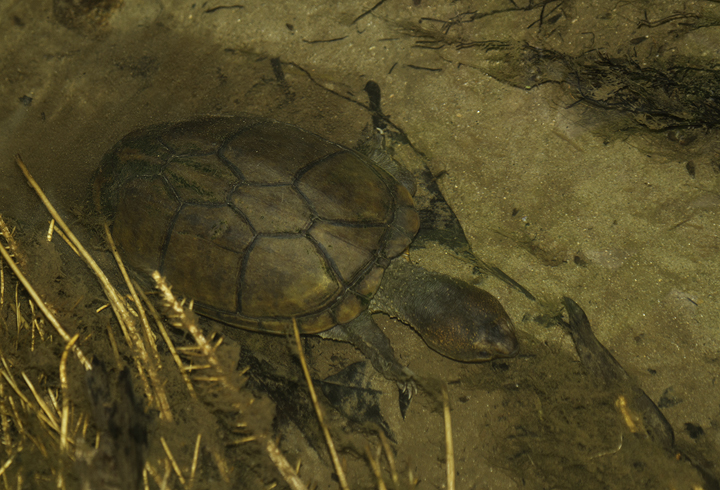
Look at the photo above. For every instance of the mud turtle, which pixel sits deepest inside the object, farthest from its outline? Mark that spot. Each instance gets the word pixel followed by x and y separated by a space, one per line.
pixel 261 222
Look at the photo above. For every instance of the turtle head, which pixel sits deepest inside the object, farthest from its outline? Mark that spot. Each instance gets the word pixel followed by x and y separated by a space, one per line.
pixel 469 323
pixel 454 318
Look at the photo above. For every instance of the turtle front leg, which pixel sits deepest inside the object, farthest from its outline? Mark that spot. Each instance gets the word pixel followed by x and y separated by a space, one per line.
pixel 368 338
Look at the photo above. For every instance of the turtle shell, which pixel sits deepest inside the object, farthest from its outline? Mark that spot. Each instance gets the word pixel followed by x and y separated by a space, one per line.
pixel 258 221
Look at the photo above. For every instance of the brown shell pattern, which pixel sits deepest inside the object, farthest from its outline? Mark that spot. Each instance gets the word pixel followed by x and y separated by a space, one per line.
pixel 258 221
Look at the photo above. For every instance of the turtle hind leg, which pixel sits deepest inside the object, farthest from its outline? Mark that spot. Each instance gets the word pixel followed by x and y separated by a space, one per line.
pixel 368 338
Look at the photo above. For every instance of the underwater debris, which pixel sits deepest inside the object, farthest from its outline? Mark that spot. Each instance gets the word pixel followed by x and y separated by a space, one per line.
pixel 659 98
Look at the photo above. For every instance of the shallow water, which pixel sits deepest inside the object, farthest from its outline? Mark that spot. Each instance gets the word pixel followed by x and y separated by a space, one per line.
pixel 567 198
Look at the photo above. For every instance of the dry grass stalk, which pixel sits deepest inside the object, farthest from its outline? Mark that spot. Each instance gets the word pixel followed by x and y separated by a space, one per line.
pixel 175 466
pixel 149 336
pixel 193 466
pixel 5 439
pixel 146 358
pixel 12 247
pixel 65 418
pixel 150 470
pixel 6 465
pixel 450 452
pixel 168 341
pixel 45 310
pixel 37 407
pixel 390 459
pixel 27 403
pixel 52 229
pixel 134 340
pixel 2 282
pixel 375 466
pixel 186 320
pixel 318 411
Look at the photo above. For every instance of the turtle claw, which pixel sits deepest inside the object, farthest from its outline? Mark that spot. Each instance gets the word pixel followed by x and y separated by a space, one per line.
pixel 408 388
pixel 406 392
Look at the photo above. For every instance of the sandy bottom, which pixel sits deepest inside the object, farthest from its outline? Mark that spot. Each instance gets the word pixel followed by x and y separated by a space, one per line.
pixel 604 205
